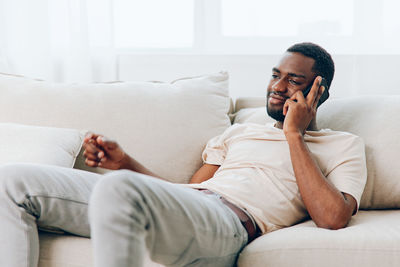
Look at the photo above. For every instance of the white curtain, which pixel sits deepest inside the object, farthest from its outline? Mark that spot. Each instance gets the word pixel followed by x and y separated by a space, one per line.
pixel 60 41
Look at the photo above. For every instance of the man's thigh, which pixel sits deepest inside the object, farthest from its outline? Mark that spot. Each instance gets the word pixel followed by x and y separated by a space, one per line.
pixel 57 197
pixel 184 226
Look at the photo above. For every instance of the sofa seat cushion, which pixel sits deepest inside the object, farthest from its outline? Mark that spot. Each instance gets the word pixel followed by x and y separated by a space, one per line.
pixel 63 250
pixel 371 239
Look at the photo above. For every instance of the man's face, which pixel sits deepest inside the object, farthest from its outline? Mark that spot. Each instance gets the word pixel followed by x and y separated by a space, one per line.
pixel 293 73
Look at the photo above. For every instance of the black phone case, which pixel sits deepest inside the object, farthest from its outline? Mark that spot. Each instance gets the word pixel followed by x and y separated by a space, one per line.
pixel 325 94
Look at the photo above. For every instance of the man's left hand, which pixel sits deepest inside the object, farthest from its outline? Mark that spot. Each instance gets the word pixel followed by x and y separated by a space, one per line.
pixel 300 111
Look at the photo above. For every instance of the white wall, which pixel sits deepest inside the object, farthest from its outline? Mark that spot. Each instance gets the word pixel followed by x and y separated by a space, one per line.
pixel 249 74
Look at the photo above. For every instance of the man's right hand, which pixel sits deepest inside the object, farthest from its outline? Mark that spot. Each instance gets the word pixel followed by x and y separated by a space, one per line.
pixel 102 152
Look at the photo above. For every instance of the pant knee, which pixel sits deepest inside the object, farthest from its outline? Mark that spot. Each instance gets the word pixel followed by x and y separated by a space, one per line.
pixel 109 186
pixel 12 179
pixel 114 194
pixel 10 170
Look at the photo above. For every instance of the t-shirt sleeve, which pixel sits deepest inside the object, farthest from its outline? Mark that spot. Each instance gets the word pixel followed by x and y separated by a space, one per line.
pixel 217 148
pixel 350 172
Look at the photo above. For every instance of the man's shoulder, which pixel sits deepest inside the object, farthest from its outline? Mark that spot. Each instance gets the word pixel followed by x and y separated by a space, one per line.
pixel 339 139
pixel 330 132
pixel 245 129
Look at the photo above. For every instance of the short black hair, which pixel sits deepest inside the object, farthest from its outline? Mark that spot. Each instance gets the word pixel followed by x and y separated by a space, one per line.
pixel 323 65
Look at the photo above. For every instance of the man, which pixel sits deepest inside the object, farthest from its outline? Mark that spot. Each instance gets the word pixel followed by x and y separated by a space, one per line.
pixel 255 179
pixel 275 174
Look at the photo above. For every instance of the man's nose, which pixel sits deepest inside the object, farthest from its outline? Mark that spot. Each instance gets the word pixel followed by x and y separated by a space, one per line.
pixel 279 86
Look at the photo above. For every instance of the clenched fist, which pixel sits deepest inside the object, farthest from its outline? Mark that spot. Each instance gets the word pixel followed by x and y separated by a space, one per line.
pixel 102 152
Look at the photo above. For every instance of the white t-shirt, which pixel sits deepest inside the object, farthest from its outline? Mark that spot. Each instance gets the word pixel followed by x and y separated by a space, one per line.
pixel 256 172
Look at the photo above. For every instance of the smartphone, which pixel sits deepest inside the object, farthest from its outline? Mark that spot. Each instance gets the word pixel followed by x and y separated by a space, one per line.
pixel 324 95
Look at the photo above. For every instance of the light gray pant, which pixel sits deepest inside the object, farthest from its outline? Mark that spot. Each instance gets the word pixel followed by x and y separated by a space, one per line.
pixel 129 213
pixel 32 195
pixel 179 226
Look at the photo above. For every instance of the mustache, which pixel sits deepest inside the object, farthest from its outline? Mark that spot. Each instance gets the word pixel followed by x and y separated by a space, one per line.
pixel 277 93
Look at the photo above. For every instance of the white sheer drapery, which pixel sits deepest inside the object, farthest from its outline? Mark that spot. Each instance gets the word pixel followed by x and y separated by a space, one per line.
pixel 62 41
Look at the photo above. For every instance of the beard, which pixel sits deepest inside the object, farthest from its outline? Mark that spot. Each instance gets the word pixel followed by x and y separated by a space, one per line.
pixel 276 114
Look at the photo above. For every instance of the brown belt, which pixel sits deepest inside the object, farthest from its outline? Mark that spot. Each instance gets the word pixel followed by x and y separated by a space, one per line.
pixel 252 229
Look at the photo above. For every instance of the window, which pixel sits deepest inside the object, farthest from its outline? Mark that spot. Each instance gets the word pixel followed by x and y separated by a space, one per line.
pixel 153 23
pixel 256 26
pixel 286 18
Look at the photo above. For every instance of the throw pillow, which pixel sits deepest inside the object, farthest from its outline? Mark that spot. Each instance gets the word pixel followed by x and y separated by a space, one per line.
pixel 44 145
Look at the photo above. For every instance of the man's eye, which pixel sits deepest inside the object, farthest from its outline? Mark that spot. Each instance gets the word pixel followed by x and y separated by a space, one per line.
pixel 274 76
pixel 294 82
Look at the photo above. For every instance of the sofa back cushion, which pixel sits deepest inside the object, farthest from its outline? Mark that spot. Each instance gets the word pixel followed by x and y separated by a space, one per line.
pixel 374 118
pixel 165 126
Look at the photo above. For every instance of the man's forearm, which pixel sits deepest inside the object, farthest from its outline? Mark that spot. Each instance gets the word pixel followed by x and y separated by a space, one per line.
pixel 131 164
pixel 325 204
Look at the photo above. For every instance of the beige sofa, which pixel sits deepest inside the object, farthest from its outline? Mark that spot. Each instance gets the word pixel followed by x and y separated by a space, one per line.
pixel 166 125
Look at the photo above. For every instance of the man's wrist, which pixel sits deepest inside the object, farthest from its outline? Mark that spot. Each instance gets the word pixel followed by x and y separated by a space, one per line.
pixel 294 136
pixel 126 162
